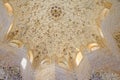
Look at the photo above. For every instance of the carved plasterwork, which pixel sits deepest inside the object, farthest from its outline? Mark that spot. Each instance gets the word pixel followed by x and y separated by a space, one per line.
pixel 10 73
pixel 105 75
pixel 56 27
pixel 116 36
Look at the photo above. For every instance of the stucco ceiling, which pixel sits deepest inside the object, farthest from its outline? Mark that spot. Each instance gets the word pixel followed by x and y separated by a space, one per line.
pixel 56 28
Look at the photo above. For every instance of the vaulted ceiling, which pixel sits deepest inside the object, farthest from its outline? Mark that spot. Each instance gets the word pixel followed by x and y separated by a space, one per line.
pixel 57 31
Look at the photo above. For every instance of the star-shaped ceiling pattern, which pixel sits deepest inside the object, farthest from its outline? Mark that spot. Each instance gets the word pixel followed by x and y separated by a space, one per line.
pixel 56 27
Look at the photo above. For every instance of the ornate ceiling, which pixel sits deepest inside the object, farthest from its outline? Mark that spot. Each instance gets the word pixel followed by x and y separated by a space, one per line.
pixel 57 35
pixel 57 30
